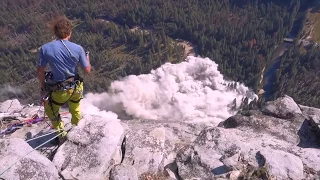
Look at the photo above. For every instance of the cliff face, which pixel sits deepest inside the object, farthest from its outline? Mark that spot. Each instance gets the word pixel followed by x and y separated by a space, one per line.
pixel 281 140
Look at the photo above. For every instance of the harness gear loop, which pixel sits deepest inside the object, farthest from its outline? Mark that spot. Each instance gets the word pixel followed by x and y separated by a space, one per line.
pixel 70 83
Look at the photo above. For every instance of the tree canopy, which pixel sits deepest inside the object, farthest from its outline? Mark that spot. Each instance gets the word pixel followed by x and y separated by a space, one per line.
pixel 134 36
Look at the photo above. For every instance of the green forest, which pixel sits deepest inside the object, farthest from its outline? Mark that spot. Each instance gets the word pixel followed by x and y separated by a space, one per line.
pixel 298 76
pixel 239 35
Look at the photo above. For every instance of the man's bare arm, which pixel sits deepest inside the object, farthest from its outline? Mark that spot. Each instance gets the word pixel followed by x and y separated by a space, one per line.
pixel 41 76
pixel 87 69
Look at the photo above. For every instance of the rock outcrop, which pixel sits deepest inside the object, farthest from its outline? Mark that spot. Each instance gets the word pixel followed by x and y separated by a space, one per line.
pixel 151 146
pixel 123 172
pixel 283 107
pixel 280 141
pixel 30 163
pixel 283 165
pixel 10 106
pixel 92 149
pixel 256 121
pixel 314 116
pixel 219 151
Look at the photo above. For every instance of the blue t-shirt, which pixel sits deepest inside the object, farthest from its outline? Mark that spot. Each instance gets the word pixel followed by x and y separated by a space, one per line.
pixel 61 62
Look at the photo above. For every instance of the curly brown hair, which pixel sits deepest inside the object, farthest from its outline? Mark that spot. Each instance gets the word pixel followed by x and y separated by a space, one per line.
pixel 62 28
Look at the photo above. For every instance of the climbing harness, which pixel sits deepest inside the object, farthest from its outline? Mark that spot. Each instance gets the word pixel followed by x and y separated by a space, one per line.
pixel 70 83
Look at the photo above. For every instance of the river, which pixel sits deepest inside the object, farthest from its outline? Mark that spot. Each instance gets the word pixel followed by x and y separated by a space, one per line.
pixel 268 73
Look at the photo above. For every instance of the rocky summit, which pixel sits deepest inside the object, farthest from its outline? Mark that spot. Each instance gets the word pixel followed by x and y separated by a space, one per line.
pixel 279 140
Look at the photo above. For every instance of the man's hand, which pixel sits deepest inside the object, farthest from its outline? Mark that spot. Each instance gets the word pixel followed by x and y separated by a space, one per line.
pixel 44 94
pixel 87 69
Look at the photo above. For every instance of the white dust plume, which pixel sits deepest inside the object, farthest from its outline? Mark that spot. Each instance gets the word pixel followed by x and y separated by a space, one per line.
pixel 8 92
pixel 4 89
pixel 191 91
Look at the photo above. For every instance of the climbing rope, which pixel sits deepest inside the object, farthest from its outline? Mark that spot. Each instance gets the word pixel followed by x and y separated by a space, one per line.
pixel 44 113
pixel 28 121
pixel 17 125
pixel 29 153
pixel 42 136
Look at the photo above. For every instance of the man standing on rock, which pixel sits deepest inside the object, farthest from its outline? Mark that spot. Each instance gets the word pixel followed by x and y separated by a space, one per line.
pixel 66 85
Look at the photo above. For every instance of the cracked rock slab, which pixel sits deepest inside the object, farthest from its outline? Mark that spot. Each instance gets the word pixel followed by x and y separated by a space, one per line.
pixel 283 165
pixel 10 106
pixel 32 166
pixel 92 149
pixel 152 145
pixel 123 172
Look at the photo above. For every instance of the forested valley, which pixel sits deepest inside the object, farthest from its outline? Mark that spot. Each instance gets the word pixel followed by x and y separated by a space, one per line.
pixel 239 35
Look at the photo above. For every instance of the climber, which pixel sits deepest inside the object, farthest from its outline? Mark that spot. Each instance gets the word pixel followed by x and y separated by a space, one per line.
pixel 63 57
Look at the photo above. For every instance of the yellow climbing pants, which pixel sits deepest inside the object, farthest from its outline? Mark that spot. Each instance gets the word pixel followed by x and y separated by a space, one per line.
pixel 73 100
